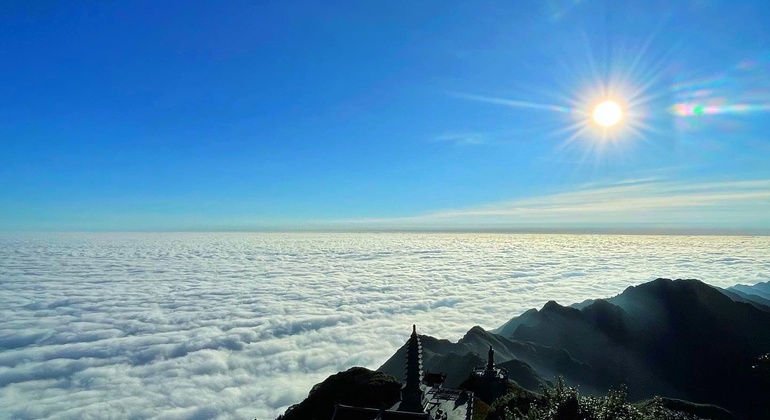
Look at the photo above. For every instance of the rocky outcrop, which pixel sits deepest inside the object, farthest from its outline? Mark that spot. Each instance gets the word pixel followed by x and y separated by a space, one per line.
pixel 356 386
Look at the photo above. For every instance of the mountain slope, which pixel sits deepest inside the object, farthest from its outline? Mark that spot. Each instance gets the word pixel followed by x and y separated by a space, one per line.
pixel 356 386
pixel 681 339
pixel 533 361
pixel 758 294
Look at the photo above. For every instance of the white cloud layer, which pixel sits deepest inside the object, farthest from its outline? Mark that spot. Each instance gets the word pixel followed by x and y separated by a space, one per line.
pixel 237 326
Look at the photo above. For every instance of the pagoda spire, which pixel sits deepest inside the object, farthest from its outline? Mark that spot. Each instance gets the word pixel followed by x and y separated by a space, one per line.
pixel 412 393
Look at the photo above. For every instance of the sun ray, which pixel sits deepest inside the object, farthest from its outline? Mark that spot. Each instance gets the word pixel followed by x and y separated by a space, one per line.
pixel 613 96
pixel 643 51
pixel 515 103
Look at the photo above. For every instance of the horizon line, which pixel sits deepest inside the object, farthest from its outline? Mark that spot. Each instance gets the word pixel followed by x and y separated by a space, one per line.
pixel 509 231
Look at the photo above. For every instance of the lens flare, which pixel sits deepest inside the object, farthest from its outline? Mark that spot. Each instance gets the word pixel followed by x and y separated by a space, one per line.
pixel 694 110
pixel 740 90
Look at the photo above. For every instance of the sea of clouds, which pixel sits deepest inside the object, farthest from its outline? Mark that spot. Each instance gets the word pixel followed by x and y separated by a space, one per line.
pixel 238 326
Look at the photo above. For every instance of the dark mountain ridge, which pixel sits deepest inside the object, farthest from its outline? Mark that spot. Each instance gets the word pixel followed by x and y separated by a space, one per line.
pixel 679 339
pixel 372 389
pixel 457 360
pixel 757 295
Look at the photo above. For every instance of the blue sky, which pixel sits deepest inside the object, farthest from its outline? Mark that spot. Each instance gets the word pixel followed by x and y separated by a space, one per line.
pixel 385 115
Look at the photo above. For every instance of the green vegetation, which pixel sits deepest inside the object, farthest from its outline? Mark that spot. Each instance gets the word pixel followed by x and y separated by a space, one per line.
pixel 565 403
pixel 762 365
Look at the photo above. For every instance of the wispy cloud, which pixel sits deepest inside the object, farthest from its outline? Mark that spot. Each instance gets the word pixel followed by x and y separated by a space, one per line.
pixel 513 103
pixel 631 203
pixel 463 138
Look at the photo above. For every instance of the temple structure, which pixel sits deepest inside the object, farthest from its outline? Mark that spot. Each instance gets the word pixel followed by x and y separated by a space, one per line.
pixel 422 397
pixel 491 372
pixel 412 394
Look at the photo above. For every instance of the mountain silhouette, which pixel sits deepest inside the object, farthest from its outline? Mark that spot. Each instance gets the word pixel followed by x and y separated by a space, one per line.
pixel 681 339
pixel 702 348
pixel 676 338
pixel 533 361
pixel 758 294
pixel 356 386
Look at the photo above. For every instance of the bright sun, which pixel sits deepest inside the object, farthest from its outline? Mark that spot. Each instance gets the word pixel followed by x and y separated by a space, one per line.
pixel 607 113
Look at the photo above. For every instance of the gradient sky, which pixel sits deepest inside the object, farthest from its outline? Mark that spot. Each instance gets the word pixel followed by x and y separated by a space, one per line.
pixel 389 115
